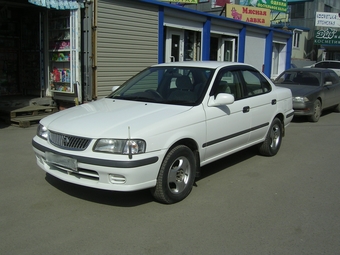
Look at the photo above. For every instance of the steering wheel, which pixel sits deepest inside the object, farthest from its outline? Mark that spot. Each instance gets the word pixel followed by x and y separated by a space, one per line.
pixel 154 92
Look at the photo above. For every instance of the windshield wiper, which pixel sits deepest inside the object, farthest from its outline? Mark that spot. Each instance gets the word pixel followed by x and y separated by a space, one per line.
pixel 138 98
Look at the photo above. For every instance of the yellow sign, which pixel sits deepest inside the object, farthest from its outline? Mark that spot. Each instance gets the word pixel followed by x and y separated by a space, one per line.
pixel 259 16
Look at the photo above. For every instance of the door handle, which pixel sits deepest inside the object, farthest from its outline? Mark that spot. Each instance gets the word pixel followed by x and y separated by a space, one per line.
pixel 274 101
pixel 246 109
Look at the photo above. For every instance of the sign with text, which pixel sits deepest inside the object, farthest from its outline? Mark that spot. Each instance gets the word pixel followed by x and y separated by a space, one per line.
pixel 275 5
pixel 327 19
pixel 254 15
pixel 327 36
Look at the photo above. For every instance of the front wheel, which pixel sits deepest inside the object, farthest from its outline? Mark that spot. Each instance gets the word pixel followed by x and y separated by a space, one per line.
pixel 272 143
pixel 316 111
pixel 176 176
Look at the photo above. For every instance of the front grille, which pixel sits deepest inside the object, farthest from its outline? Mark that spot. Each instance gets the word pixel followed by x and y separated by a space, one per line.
pixel 69 142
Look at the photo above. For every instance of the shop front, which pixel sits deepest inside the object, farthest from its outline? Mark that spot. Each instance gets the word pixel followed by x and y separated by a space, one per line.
pixel 39 51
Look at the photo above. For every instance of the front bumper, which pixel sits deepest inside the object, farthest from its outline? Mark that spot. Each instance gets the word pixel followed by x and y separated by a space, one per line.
pixel 303 109
pixel 100 170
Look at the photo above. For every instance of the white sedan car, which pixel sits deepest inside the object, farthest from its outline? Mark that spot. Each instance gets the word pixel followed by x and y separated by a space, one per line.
pixel 157 130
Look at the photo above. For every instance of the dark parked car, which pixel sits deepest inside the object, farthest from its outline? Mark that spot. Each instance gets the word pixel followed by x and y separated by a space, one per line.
pixel 313 90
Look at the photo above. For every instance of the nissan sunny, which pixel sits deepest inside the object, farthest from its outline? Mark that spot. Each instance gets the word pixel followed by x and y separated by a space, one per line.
pixel 160 127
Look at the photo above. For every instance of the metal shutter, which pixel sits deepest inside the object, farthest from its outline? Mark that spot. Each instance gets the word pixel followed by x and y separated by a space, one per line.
pixel 126 43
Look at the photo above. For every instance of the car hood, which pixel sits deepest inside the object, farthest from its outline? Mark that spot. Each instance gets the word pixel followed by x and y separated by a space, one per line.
pixel 114 118
pixel 300 90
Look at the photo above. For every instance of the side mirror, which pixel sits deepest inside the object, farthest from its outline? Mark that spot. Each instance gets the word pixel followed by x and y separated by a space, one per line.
pixel 221 99
pixel 328 83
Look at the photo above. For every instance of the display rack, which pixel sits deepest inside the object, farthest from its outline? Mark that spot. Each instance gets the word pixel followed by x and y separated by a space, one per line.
pixel 60 52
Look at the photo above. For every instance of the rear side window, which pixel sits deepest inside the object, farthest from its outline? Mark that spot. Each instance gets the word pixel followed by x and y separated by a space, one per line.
pixel 321 65
pixel 334 65
pixel 255 83
pixel 331 77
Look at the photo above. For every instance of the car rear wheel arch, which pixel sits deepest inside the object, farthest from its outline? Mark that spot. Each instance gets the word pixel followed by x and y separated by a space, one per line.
pixel 280 116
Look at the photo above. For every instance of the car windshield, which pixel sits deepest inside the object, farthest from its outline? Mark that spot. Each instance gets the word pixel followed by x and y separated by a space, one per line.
pixel 308 78
pixel 167 85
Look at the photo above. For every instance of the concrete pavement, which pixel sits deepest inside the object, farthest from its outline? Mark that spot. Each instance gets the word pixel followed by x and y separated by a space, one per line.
pixel 243 204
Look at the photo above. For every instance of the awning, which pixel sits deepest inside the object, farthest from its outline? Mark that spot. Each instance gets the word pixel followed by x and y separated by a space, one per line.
pixel 57 4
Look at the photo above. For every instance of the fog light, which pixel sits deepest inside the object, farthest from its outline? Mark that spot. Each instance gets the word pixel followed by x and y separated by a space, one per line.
pixel 117 179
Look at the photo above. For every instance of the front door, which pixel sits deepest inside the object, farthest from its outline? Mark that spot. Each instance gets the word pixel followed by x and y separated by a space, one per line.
pixel 174 45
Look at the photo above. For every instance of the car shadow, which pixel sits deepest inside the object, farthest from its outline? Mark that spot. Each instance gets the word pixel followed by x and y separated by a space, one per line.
pixel 136 198
pixel 227 162
pixel 300 119
pixel 113 198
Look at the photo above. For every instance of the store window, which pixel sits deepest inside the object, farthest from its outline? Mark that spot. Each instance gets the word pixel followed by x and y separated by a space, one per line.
pixel 192 45
pixel 297 10
pixel 296 39
pixel 327 8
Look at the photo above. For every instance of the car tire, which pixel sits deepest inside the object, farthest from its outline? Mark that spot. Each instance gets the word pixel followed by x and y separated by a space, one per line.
pixel 176 176
pixel 272 143
pixel 316 111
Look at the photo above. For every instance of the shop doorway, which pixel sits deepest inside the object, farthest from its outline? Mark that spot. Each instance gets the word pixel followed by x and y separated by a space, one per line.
pixel 174 48
pixel 223 48
pixel 20 51
pixel 278 59
pixel 182 45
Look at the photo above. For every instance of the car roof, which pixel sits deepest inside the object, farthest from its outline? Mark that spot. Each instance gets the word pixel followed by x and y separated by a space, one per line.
pixel 203 64
pixel 337 61
pixel 309 70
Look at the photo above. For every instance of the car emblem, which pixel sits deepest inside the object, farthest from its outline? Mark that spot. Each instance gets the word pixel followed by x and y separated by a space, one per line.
pixel 65 140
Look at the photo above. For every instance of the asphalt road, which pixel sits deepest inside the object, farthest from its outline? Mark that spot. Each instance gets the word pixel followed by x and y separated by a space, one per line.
pixel 243 204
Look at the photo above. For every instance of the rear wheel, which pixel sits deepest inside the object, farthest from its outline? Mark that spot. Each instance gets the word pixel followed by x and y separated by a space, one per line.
pixel 272 143
pixel 316 111
pixel 176 176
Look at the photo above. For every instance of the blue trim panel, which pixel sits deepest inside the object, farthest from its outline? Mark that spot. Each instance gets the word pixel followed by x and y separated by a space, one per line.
pixel 268 54
pixel 100 162
pixel 289 52
pixel 242 44
pixel 161 35
pixel 206 40
pixel 222 139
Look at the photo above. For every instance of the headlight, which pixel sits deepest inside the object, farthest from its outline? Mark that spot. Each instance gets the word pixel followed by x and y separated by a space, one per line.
pixel 300 99
pixel 119 146
pixel 42 132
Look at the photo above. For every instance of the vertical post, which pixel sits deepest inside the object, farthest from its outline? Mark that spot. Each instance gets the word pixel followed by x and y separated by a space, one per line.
pixel 206 39
pixel 268 55
pixel 161 51
pixel 242 44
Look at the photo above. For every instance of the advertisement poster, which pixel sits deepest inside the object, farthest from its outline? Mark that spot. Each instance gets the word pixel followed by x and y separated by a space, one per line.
pixel 327 19
pixel 275 5
pixel 327 36
pixel 254 15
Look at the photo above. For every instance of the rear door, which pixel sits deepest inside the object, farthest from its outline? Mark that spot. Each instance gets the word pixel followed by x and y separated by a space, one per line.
pixel 262 103
pixel 332 91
